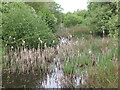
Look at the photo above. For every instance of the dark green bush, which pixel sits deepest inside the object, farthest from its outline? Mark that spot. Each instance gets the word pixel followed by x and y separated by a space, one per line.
pixel 72 20
pixel 22 26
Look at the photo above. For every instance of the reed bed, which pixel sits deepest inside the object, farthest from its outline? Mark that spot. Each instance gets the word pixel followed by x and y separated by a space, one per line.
pixel 25 60
pixel 97 56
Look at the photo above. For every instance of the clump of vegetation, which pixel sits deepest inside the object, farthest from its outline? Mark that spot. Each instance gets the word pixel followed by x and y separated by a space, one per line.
pixel 24 28
pixel 71 20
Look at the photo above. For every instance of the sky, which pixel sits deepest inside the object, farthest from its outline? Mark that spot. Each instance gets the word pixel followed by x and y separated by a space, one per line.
pixel 72 5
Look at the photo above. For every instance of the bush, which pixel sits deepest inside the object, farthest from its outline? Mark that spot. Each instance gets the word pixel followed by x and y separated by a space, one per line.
pixel 21 25
pixel 72 20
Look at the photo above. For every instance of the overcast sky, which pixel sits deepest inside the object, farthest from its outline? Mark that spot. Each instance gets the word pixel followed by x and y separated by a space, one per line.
pixel 72 5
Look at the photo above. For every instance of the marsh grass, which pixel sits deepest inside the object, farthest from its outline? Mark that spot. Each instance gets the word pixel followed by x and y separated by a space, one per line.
pixel 97 56
pixel 105 74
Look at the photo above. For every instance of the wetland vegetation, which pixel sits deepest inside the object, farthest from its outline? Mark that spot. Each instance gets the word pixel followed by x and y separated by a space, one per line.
pixel 41 47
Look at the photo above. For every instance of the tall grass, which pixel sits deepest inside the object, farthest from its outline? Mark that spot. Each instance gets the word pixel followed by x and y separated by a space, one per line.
pixel 99 58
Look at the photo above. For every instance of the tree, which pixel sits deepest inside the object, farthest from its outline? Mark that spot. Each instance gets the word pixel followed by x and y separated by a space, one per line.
pixel 103 17
pixel 50 12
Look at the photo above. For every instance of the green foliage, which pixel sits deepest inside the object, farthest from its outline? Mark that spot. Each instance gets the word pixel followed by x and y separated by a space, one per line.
pixel 103 17
pixel 77 23
pixel 71 20
pixel 78 17
pixel 56 10
pixel 21 25
pixel 48 17
pixel 84 15
pixel 50 12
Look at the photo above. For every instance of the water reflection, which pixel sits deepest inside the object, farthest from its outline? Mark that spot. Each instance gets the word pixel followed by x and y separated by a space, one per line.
pixel 57 79
pixel 54 79
pixel 77 81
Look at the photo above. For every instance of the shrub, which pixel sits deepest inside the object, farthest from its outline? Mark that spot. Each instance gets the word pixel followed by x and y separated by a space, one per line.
pixel 72 20
pixel 21 25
